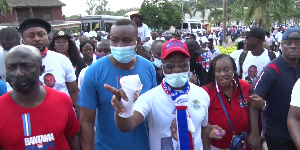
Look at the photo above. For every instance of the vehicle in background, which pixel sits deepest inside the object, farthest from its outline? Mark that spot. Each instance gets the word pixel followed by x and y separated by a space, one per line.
pixel 190 26
pixel 98 22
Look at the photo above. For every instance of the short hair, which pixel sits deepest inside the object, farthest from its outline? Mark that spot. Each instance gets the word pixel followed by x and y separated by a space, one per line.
pixel 9 33
pixel 252 66
pixel 193 36
pixel 122 22
pixel 157 41
pixel 177 35
pixel 104 41
pixel 47 74
pixel 86 42
pixel 210 39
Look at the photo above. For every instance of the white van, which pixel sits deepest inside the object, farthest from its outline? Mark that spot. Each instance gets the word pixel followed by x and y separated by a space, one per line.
pixel 191 26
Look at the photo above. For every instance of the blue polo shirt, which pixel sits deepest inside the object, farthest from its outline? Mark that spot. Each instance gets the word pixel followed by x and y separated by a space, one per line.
pixel 275 86
pixel 93 95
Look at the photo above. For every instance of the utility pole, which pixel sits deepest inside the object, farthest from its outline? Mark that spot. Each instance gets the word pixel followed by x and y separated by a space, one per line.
pixel 182 4
pixel 224 22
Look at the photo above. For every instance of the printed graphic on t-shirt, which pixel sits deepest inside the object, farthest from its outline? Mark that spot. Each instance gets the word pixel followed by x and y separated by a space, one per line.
pixel 37 142
pixel 243 103
pixel 49 80
pixel 170 142
pixel 252 74
pixel 196 104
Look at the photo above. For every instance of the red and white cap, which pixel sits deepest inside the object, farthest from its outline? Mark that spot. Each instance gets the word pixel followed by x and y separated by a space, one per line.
pixel 174 46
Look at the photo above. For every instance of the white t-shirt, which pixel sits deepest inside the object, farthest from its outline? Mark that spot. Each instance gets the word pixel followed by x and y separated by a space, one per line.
pixel 236 54
pixel 162 38
pixel 259 61
pixel 278 36
pixel 213 54
pixel 82 73
pixel 159 110
pixel 59 70
pixel 144 32
pixel 2 64
pixel 295 99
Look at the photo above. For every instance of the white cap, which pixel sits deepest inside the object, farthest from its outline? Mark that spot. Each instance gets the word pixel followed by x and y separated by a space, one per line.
pixel 93 33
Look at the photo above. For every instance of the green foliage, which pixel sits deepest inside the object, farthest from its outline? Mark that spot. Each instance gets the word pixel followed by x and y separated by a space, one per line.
pixel 72 17
pixel 215 16
pixel 122 12
pixel 151 13
pixel 96 7
pixel 265 12
pixel 161 15
pixel 227 50
pixel 170 14
pixel 5 7
pixel 200 6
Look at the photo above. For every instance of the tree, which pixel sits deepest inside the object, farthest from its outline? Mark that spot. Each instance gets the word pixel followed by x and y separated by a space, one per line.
pixel 122 12
pixel 264 12
pixel 215 16
pixel 91 6
pixel 97 7
pixel 170 15
pixel 101 9
pixel 5 7
pixel 201 7
pixel 151 13
pixel 161 15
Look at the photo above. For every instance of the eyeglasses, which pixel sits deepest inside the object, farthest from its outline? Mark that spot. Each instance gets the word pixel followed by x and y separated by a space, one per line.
pixel 183 66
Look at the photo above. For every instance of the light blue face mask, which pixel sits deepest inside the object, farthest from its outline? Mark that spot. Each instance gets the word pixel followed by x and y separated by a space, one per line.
pixel 123 54
pixel 177 80
pixel 157 63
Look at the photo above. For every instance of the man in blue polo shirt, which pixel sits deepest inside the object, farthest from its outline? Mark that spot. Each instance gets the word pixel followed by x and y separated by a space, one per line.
pixel 275 85
pixel 108 70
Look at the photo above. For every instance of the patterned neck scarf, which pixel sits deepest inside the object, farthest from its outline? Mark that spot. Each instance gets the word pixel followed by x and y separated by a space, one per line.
pixel 184 122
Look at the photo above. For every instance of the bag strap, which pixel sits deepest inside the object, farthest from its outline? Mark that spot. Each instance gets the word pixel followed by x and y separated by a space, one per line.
pixel 241 61
pixel 228 119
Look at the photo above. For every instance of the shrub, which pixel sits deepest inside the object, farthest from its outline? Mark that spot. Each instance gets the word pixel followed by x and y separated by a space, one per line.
pixel 227 50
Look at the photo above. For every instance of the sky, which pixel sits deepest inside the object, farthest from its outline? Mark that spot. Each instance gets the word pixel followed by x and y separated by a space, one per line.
pixel 76 7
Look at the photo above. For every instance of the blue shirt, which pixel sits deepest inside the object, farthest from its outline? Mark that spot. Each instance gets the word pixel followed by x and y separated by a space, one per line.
pixel 93 95
pixel 3 88
pixel 275 85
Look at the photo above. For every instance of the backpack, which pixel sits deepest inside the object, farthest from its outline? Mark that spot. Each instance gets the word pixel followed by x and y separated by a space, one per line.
pixel 243 57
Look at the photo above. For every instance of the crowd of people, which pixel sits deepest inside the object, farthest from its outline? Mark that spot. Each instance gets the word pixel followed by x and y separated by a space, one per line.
pixel 65 92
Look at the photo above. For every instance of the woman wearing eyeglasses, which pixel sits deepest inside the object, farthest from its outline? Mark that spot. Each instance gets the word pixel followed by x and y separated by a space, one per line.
pixel 228 96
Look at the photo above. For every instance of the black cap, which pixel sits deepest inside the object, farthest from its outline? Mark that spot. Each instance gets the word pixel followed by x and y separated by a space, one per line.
pixel 142 18
pixel 61 33
pixel 194 47
pixel 34 22
pixel 287 33
pixel 256 32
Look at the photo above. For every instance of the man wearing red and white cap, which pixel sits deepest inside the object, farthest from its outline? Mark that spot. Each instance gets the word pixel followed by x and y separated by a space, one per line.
pixel 174 101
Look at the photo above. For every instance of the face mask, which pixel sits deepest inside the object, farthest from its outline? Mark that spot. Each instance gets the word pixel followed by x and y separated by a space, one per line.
pixel 177 80
pixel 123 54
pixel 157 63
pixel 22 84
